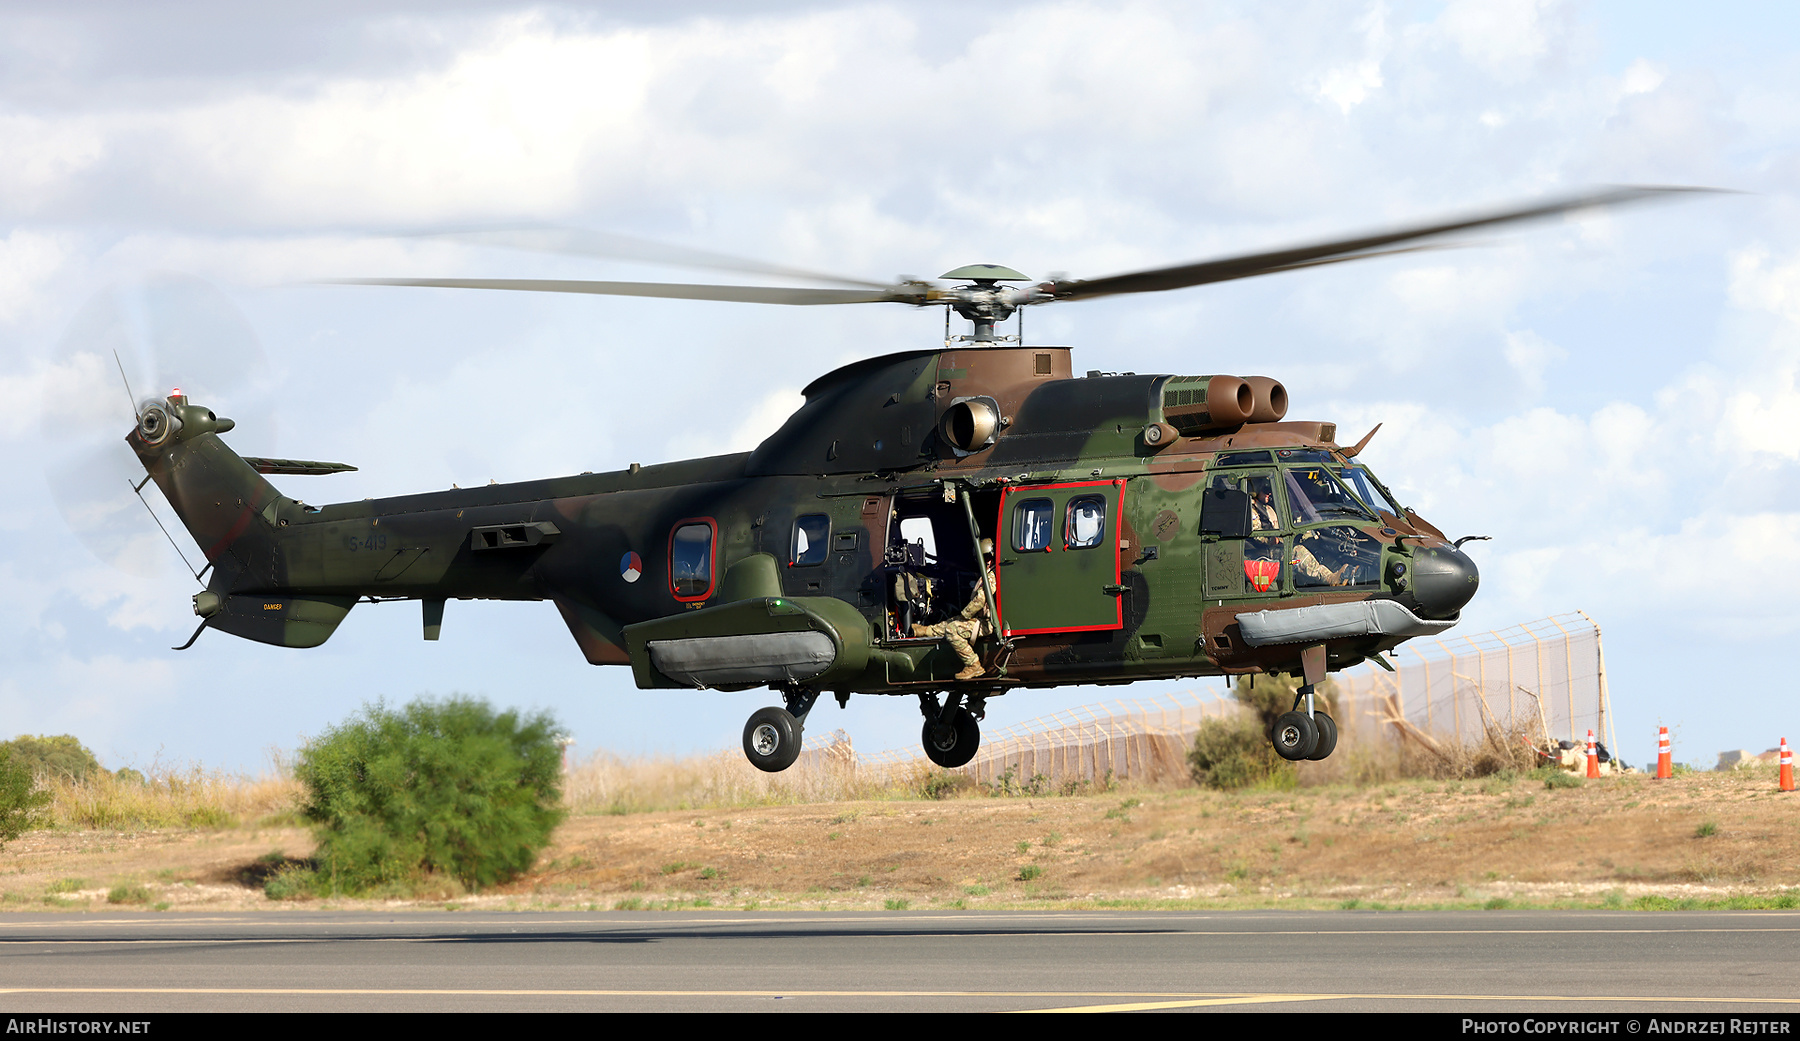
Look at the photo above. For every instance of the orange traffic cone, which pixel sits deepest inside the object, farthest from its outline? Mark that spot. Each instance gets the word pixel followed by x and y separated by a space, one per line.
pixel 1787 767
pixel 1593 758
pixel 1664 768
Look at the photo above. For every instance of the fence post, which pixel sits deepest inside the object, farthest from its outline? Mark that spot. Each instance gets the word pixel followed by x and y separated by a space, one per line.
pixel 1600 666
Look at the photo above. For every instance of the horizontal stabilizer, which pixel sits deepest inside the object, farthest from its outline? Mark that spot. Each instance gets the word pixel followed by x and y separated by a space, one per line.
pixel 303 467
pixel 274 618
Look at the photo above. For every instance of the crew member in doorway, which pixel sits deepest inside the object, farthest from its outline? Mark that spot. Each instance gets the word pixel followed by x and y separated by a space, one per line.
pixel 970 623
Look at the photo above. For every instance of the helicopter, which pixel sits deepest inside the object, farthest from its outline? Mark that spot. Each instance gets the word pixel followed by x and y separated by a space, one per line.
pixel 1107 527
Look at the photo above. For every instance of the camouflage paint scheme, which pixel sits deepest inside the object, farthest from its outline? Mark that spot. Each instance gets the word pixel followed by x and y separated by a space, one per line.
pixel 1156 599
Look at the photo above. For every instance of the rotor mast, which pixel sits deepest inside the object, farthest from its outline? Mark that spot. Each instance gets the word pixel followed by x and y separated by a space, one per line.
pixel 984 301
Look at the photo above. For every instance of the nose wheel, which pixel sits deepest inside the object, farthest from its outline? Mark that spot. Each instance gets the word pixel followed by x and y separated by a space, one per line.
pixel 1304 735
pixel 1295 736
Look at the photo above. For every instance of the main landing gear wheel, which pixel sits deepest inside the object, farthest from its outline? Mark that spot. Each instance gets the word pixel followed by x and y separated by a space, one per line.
pixel 1295 736
pixel 772 739
pixel 1327 736
pixel 952 743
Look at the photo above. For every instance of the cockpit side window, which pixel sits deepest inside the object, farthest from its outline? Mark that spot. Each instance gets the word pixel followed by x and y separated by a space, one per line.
pixel 1265 510
pixel 1368 489
pixel 1316 495
pixel 1340 555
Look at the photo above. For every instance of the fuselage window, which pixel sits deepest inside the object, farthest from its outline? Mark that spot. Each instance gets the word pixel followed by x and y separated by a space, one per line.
pixel 918 530
pixel 1032 525
pixel 1085 524
pixel 691 561
pixel 811 533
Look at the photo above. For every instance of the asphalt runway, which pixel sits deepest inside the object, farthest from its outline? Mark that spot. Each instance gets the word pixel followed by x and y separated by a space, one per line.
pixel 1565 962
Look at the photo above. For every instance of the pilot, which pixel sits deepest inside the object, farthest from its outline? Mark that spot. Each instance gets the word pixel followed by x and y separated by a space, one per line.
pixel 1264 518
pixel 969 623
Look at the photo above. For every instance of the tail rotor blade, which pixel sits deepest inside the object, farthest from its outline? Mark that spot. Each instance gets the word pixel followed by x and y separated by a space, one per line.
pixel 155 334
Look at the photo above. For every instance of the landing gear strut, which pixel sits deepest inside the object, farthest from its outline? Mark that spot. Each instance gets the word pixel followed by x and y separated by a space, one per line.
pixel 773 735
pixel 951 733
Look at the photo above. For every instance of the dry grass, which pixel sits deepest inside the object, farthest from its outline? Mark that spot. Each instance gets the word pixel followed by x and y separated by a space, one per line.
pixel 1500 750
pixel 744 840
pixel 607 783
pixel 193 797
pixel 190 797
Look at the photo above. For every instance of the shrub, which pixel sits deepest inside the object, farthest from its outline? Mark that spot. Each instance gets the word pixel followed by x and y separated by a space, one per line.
pixel 449 788
pixel 1270 695
pixel 21 801
pixel 1235 753
pixel 60 756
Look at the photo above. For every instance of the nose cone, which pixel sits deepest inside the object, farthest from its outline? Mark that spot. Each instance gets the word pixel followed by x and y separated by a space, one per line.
pixel 1443 580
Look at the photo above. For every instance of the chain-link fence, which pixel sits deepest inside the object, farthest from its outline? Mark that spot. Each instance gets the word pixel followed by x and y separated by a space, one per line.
pixel 1143 739
pixel 1546 676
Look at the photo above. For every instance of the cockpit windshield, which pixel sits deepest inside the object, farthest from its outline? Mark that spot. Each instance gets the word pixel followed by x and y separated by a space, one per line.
pixel 1367 488
pixel 1315 495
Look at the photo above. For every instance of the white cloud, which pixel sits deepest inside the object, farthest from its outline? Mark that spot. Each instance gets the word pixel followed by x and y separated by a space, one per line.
pixel 1642 77
pixel 1505 38
pixel 754 424
pixel 1530 354
pixel 1348 86
pixel 42 154
pixel 28 261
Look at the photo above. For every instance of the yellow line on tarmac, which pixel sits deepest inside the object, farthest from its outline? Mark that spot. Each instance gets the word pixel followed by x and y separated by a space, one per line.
pixel 1152 1006
pixel 496 992
pixel 1160 1000
pixel 1255 999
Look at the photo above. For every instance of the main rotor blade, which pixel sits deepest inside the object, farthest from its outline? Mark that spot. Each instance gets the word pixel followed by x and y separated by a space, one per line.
pixel 1358 248
pixel 584 243
pixel 670 290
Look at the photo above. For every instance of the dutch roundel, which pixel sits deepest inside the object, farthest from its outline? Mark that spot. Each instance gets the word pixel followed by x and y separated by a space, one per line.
pixel 630 567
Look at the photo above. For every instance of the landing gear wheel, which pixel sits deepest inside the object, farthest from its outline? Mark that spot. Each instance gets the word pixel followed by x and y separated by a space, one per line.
pixel 1327 736
pixel 772 739
pixel 953 743
pixel 1294 736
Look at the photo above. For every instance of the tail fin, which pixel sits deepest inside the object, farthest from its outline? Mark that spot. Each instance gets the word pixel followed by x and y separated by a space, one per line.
pixel 232 513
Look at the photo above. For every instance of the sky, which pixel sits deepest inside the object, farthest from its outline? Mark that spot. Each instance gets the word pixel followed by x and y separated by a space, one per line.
pixel 1612 397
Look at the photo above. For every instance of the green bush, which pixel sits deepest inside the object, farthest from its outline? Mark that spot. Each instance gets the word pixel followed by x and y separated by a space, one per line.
pixel 21 801
pixel 1235 753
pixel 447 789
pixel 59 756
pixel 1270 695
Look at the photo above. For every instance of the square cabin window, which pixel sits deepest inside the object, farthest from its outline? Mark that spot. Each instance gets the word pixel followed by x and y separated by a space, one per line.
pixel 1085 524
pixel 1032 525
pixel 811 535
pixel 691 561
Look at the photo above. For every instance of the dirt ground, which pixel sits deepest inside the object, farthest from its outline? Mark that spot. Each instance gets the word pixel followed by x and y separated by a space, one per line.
pixel 1607 843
